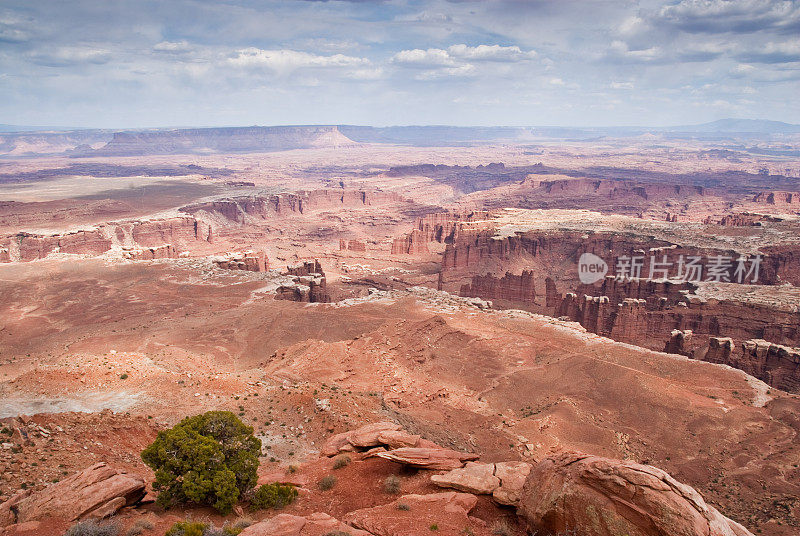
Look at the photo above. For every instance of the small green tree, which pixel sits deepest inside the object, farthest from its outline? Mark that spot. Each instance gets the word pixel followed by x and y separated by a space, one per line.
pixel 206 459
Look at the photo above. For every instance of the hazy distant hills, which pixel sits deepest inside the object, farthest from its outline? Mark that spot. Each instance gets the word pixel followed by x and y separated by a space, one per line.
pixel 28 141
pixel 760 126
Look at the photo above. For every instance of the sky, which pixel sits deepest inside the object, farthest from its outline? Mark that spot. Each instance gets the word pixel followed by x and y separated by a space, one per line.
pixel 147 63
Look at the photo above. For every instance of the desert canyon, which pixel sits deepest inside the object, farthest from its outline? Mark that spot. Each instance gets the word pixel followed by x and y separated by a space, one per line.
pixel 416 307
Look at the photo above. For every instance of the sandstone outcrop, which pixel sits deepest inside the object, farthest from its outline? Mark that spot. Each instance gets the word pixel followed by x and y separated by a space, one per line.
pixel 680 342
pixel 379 434
pixel 352 245
pixel 166 251
pixel 251 261
pixel 605 497
pixel 447 512
pixel 242 209
pixel 308 284
pixel 316 524
pixel 772 363
pixel 503 480
pixel 98 491
pixel 510 287
pixel 427 457
pixel 138 240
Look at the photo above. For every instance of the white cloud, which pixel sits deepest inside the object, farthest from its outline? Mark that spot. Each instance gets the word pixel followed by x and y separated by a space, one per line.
pixel 172 47
pixel 490 53
pixel 621 85
pixel 621 51
pixel 70 55
pixel 423 58
pixel 462 71
pixel 285 61
pixel 456 54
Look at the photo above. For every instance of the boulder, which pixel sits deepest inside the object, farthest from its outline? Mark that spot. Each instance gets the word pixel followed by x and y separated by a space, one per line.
pixel 606 497
pixel 395 439
pixel 316 524
pixel 428 458
pixel 364 437
pixel 503 480
pixel 473 478
pixel 98 491
pixel 512 477
pixel 416 514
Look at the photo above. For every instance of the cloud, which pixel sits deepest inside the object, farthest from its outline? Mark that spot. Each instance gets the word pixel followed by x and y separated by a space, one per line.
pixel 620 52
pixel 461 53
pixel 460 71
pixel 621 85
pixel 490 53
pixel 285 61
pixel 70 56
pixel 721 16
pixel 458 60
pixel 771 52
pixel 433 57
pixel 172 47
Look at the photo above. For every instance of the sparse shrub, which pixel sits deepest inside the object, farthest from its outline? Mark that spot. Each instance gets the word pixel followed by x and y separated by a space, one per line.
pixel 187 528
pixel 197 528
pixel 242 523
pixel 434 526
pixel 139 527
pixel 501 528
pixel 403 506
pixel 337 533
pixel 326 482
pixel 273 496
pixel 392 484
pixel 342 460
pixel 90 527
pixel 123 376
pixel 291 469
pixel 206 459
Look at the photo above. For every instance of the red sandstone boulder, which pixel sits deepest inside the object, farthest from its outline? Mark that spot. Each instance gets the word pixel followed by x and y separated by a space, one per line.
pixel 98 491
pixel 317 524
pixel 473 478
pixel 416 514
pixel 428 458
pixel 503 480
pixel 605 497
pixel 366 436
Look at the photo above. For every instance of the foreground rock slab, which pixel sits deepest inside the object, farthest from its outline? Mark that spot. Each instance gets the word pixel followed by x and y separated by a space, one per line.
pixel 428 458
pixel 98 491
pixel 444 514
pixel 503 480
pixel 317 524
pixel 606 497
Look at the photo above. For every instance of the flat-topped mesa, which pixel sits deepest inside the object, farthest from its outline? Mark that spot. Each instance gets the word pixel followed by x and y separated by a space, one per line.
pixel 239 209
pixel 230 140
pixel 138 240
pixel 251 261
pixel 775 364
pixel 557 251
